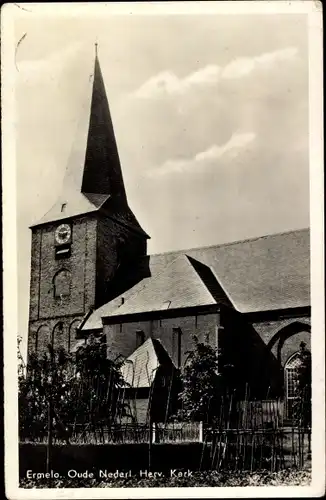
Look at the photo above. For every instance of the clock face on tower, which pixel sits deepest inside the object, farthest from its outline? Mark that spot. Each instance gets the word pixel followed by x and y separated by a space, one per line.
pixel 63 234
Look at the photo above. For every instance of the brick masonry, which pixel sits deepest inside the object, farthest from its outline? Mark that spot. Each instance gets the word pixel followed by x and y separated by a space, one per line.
pixel 116 246
pixel 54 316
pixel 121 337
pixel 242 345
pixel 80 265
pixel 63 330
pixel 98 248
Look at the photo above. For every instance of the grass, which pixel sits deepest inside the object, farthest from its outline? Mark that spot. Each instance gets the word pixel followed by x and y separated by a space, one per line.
pixel 286 477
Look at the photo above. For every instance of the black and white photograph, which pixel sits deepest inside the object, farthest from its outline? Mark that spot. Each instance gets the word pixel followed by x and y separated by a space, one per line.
pixel 163 249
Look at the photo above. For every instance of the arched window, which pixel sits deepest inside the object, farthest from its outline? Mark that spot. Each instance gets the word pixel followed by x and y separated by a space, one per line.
pixel 41 337
pixel 57 337
pixel 291 380
pixel 62 283
pixel 73 333
pixel 296 330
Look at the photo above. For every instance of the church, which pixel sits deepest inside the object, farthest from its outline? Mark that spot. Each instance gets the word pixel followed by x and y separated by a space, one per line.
pixel 91 275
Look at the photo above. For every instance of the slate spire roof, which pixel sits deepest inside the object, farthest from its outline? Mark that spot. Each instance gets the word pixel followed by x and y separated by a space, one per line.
pixel 93 179
pixel 102 170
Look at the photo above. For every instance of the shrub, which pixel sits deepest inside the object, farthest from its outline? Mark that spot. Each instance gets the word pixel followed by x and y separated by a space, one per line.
pixel 203 384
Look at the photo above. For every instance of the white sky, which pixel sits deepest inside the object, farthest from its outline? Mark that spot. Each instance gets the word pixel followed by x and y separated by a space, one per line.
pixel 210 115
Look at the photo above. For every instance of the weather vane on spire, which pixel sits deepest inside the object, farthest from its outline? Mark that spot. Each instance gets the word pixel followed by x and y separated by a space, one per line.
pixel 96 45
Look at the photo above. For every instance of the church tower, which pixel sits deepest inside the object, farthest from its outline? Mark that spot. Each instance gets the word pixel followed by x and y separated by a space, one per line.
pixel 89 240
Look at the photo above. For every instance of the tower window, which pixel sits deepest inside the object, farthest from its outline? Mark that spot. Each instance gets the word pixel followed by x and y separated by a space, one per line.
pixel 62 284
pixel 63 252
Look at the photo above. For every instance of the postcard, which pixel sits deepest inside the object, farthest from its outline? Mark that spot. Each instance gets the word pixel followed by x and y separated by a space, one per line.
pixel 163 250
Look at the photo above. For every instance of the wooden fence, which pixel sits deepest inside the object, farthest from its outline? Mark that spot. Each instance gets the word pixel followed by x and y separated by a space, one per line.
pixel 226 448
pixel 178 432
pixel 260 414
pixel 246 435
pixel 171 432
pixel 252 449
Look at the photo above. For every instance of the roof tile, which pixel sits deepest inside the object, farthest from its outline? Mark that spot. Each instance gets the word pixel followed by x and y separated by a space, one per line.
pixel 261 274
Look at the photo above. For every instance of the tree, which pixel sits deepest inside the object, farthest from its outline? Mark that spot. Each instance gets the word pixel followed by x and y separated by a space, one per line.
pixel 97 385
pixel 202 384
pixel 83 389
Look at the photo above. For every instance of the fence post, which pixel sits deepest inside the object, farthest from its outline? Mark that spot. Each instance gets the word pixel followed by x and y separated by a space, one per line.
pixel 154 432
pixel 201 431
pixel 49 438
pixel 50 417
pixel 309 444
pixel 150 425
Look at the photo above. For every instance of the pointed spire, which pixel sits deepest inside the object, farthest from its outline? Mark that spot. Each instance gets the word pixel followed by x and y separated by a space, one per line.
pixel 93 179
pixel 102 171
